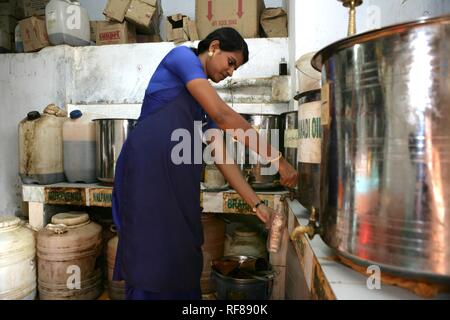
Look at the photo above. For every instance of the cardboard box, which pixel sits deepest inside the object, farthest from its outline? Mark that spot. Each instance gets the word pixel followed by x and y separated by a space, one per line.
pixel 115 33
pixel 116 9
pixel 34 33
pixel 180 28
pixel 145 15
pixel 242 15
pixel 93 29
pixel 145 38
pixel 274 22
pixel 34 7
pixel 12 8
pixel 8 24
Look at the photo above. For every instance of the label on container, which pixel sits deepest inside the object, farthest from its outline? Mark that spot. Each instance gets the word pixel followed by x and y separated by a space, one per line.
pixel 233 203
pixel 291 138
pixel 310 132
pixel 66 196
pixel 325 96
pixel 101 197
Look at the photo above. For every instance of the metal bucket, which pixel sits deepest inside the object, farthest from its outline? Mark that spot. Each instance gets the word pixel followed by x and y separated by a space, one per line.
pixel 110 137
pixel 264 124
pixel 243 288
pixel 386 196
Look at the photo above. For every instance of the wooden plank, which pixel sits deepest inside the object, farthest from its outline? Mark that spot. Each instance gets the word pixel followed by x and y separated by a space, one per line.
pixel 65 196
pixel 100 197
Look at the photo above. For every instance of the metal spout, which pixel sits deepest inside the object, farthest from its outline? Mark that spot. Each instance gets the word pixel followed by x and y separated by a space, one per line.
pixel 311 229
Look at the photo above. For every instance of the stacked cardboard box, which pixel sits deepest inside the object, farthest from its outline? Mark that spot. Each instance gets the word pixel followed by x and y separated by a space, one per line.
pixel 242 15
pixel 274 22
pixel 34 33
pixel 115 33
pixel 33 30
pixel 143 15
pixel 180 28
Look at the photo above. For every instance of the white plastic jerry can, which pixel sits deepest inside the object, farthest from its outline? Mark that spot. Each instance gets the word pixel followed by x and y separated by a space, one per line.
pixel 67 23
pixel 79 148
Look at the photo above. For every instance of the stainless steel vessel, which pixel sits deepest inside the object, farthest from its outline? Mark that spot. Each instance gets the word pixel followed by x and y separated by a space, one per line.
pixel 110 137
pixel 386 193
pixel 264 124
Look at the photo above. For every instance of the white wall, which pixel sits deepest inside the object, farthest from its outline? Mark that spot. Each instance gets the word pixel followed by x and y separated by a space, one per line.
pixel 322 22
pixel 120 74
pixel 27 82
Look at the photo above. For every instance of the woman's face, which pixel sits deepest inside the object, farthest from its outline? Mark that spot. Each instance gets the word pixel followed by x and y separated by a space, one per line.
pixel 222 64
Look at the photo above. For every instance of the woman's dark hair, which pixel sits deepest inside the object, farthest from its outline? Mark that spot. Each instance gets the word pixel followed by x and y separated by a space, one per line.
pixel 229 40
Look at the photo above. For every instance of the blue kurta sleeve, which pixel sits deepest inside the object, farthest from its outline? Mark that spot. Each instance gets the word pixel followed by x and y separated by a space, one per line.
pixel 183 63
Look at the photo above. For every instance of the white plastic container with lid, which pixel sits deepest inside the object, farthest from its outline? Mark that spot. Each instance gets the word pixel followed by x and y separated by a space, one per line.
pixel 67 23
pixel 41 147
pixel 67 251
pixel 79 148
pixel 18 39
pixel 17 260
pixel 308 77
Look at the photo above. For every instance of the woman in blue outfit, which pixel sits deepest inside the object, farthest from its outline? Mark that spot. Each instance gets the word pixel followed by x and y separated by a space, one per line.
pixel 156 200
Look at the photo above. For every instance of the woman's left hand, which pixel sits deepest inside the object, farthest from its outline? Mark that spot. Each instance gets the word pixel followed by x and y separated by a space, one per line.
pixel 264 213
pixel 288 175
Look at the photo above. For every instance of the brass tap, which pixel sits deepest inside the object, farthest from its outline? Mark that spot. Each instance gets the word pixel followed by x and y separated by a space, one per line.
pixel 352 4
pixel 311 229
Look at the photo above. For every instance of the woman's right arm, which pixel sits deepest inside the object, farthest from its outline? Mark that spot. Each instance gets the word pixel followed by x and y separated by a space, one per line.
pixel 226 118
pixel 217 109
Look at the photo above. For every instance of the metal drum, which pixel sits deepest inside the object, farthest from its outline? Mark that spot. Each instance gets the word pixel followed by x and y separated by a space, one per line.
pixel 110 137
pixel 309 148
pixel 253 172
pixel 387 187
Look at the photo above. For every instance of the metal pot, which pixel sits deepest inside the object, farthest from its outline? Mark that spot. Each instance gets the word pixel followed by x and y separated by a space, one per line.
pixel 386 191
pixel 253 172
pixel 110 137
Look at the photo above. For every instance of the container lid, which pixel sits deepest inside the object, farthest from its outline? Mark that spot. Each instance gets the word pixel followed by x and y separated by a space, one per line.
pixel 8 221
pixel 70 218
pixel 33 115
pixel 304 65
pixel 308 96
pixel 75 114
